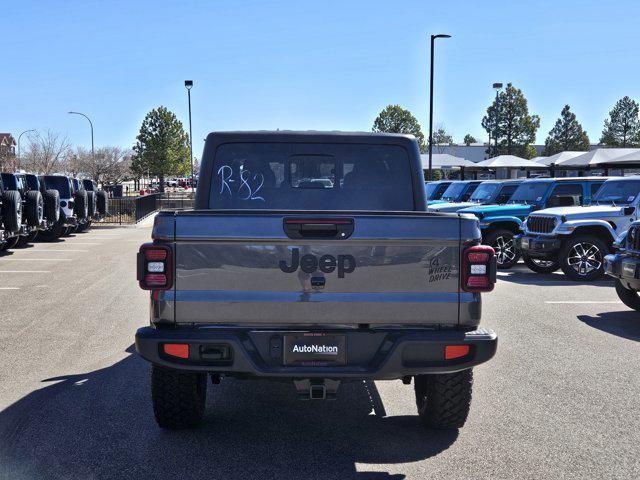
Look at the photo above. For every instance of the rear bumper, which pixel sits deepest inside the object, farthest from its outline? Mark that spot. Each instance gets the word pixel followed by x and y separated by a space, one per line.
pixel 374 354
pixel 625 268
pixel 539 247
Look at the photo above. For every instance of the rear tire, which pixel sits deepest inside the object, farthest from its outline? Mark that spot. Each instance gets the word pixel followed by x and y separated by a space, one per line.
pixel 549 266
pixel 629 297
pixel 52 205
pixel 11 243
pixel 443 400
pixel 12 211
pixel 178 397
pixel 582 257
pixel 34 208
pixel 102 202
pixel 504 244
pixel 26 239
pixel 80 207
pixel 91 204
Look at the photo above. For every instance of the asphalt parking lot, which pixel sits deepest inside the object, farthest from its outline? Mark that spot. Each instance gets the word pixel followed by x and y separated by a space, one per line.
pixel 560 400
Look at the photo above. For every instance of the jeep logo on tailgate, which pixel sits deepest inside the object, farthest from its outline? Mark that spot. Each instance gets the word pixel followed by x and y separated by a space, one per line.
pixel 326 263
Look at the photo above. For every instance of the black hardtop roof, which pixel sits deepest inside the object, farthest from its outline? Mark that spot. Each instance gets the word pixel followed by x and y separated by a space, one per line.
pixel 310 136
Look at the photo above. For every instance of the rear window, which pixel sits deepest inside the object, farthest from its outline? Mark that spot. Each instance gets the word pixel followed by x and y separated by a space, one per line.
pixel 9 181
pixel 303 176
pixel 61 184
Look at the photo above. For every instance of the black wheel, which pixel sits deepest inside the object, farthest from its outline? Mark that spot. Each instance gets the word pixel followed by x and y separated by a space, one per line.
pixel 11 243
pixel 12 211
pixel 34 208
pixel 443 400
pixel 91 204
pixel 178 397
pixel 102 202
pixel 503 242
pixel 539 265
pixel 52 205
pixel 629 297
pixel 27 239
pixel 54 232
pixel 582 257
pixel 80 204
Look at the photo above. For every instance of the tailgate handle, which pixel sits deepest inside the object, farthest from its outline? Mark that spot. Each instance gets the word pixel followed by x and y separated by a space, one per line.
pixel 318 228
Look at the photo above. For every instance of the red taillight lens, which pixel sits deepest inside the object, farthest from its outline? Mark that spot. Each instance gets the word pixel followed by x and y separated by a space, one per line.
pixel 456 351
pixel 478 257
pixel 155 267
pixel 154 254
pixel 71 203
pixel 155 280
pixel 478 269
pixel 180 350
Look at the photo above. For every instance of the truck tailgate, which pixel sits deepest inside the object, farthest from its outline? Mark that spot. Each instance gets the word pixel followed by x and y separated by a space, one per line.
pixel 242 267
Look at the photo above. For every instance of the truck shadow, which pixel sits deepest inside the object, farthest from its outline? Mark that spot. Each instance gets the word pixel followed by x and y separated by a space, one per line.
pixel 521 275
pixel 625 324
pixel 100 425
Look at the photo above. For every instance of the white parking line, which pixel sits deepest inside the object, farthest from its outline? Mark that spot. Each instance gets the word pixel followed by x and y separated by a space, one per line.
pixel 84 243
pixel 37 259
pixel 45 250
pixel 25 271
pixel 9 288
pixel 587 302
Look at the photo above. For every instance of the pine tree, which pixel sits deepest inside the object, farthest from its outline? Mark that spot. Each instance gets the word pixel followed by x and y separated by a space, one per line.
pixel 516 129
pixel 622 128
pixel 566 135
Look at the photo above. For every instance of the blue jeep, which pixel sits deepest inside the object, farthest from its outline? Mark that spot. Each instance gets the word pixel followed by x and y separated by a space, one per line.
pixel 458 191
pixel 489 192
pixel 436 189
pixel 500 224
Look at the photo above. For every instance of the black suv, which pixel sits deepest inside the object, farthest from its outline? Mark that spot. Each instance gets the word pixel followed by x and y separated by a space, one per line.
pixel 49 210
pixel 97 200
pixel 11 210
pixel 32 207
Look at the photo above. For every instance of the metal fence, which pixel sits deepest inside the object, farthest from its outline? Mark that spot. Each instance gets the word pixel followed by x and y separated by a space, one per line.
pixel 130 210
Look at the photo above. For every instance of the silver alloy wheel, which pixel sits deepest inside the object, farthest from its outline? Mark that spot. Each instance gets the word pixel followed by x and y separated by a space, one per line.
pixel 584 258
pixel 505 249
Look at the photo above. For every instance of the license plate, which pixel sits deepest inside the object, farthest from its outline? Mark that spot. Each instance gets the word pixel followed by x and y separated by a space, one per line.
pixel 315 349
pixel 525 243
pixel 629 269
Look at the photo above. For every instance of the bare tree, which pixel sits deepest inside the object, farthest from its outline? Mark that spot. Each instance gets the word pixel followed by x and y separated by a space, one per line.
pixel 109 165
pixel 8 162
pixel 46 153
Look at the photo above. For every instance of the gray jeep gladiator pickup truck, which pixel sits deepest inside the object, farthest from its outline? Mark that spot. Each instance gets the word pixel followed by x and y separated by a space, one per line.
pixel 310 257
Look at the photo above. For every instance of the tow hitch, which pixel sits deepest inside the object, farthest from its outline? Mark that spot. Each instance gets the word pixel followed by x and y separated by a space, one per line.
pixel 317 389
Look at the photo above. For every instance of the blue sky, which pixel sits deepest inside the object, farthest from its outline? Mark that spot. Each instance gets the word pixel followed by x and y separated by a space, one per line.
pixel 325 65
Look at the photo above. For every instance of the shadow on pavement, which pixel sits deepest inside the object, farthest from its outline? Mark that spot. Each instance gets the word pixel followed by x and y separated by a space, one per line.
pixel 100 425
pixel 523 276
pixel 625 324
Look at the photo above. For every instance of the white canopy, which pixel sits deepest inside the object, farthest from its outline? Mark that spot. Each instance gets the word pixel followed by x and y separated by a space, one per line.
pixel 632 157
pixel 596 157
pixel 508 161
pixel 444 160
pixel 560 157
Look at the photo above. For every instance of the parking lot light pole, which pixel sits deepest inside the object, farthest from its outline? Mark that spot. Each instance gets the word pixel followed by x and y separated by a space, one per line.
pixel 189 84
pixel 19 152
pixel 497 86
pixel 93 153
pixel 433 38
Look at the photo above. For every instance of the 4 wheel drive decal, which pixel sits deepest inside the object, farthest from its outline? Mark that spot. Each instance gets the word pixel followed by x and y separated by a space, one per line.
pixel 326 263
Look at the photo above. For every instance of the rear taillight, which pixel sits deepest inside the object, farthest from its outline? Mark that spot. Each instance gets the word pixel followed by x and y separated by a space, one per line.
pixel 478 269
pixel 155 269
pixel 71 203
